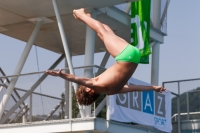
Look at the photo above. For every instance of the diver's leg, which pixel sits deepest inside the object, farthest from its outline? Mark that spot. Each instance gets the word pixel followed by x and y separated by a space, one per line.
pixel 113 43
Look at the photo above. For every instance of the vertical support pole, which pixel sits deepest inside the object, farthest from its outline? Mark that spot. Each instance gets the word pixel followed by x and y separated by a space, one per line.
pixel 20 66
pixel 94 111
pixel 66 93
pixel 62 109
pixel 155 64
pixel 107 112
pixel 70 100
pixel 156 47
pixel 188 106
pixel 107 108
pixel 24 118
pixel 178 109
pixel 65 45
pixel 89 58
pixel 31 108
pixel 63 37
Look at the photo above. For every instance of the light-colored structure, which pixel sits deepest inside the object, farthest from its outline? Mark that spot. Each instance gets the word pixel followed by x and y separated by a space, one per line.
pixel 50 25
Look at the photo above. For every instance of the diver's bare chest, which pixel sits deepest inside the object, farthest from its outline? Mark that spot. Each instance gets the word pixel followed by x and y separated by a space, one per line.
pixel 115 77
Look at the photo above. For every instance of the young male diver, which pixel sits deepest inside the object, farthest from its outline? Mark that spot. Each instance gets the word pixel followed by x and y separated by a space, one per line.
pixel 114 79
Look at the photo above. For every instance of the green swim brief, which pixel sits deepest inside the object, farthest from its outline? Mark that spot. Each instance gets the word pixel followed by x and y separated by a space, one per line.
pixel 129 54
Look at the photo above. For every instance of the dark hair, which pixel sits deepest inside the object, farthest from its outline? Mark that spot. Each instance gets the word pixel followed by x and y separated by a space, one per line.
pixel 84 97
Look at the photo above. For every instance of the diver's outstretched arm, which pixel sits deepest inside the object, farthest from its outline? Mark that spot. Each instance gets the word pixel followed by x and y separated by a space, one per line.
pixel 130 88
pixel 79 80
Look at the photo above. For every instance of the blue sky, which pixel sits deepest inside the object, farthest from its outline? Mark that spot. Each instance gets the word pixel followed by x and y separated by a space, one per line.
pixel 179 55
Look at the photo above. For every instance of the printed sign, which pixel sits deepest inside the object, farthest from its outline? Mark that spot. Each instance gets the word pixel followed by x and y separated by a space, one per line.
pixel 146 108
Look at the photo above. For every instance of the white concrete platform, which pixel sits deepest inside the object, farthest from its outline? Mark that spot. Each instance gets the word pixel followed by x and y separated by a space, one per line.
pixel 94 125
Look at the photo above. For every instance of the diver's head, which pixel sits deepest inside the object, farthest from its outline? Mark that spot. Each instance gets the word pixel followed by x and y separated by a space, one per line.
pixel 86 96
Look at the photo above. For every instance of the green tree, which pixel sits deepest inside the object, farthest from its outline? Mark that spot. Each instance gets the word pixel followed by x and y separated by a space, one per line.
pixel 194 106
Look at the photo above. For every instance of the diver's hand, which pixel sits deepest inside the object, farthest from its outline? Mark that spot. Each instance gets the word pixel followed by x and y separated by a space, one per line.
pixel 54 73
pixel 159 89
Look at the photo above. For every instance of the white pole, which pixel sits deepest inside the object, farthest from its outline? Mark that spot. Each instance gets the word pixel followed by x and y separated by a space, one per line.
pixel 65 45
pixel 70 100
pixel 156 47
pixel 66 93
pixel 63 37
pixel 107 108
pixel 89 58
pixel 24 118
pixel 31 108
pixel 155 64
pixel 107 112
pixel 20 66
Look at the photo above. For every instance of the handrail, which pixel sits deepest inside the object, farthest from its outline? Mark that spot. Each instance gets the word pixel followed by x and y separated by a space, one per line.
pixel 192 113
pixel 45 71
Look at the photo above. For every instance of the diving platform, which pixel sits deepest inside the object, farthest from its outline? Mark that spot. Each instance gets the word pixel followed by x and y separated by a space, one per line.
pixel 91 125
pixel 18 19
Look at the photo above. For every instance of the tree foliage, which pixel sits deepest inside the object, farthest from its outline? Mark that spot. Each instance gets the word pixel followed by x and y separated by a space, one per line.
pixel 194 105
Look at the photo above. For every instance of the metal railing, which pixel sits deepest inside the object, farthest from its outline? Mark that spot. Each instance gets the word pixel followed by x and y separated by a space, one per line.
pixel 183 99
pixel 47 101
pixel 186 89
pixel 184 114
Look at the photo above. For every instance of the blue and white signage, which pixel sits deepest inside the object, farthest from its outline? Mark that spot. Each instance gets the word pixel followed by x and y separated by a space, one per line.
pixel 146 108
